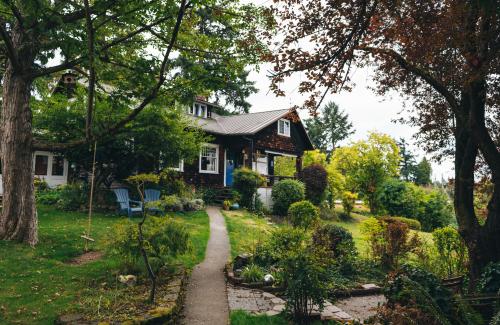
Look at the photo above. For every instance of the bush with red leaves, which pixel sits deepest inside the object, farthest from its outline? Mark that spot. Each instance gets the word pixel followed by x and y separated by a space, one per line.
pixel 315 178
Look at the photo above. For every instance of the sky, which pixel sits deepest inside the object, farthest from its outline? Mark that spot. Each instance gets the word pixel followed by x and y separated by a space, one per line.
pixel 367 110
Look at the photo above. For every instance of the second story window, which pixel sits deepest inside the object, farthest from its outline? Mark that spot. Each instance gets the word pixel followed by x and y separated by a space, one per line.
pixel 284 127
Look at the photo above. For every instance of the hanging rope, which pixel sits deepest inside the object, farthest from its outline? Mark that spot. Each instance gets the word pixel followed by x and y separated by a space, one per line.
pixel 86 235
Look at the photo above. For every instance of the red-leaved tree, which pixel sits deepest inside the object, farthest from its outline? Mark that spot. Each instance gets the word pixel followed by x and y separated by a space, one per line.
pixel 442 55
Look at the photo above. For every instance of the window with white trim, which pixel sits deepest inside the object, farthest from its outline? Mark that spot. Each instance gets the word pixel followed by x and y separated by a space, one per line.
pixel 209 159
pixel 199 110
pixel 284 127
pixel 178 166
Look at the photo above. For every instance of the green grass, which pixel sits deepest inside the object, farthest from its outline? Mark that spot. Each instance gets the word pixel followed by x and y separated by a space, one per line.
pixel 246 230
pixel 36 285
pixel 239 317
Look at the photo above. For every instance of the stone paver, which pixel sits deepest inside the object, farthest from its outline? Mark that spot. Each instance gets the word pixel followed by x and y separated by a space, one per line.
pixel 259 302
pixel 206 297
pixel 361 308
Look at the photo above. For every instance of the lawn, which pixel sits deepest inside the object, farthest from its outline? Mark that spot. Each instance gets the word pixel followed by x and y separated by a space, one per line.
pixel 36 283
pixel 239 317
pixel 246 230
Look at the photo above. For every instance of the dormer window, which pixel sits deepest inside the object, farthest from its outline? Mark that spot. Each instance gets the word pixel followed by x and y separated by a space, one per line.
pixel 198 109
pixel 284 127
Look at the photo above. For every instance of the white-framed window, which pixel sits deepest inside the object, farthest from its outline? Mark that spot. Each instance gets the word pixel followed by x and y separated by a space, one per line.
pixel 209 159
pixel 179 166
pixel 57 166
pixel 199 110
pixel 284 127
pixel 41 165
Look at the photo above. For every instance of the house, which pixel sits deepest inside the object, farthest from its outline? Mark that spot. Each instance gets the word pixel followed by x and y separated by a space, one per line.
pixel 48 166
pixel 252 140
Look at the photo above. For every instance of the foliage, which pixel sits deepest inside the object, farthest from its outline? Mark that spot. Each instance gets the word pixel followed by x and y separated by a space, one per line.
pixel 336 182
pixel 423 172
pixel 72 196
pixel 226 204
pixel 338 243
pixel 285 193
pixel 246 182
pixel 285 166
pixel 348 201
pixel 303 214
pixel 279 243
pixel 208 194
pixel 388 242
pixel 311 157
pixel 411 223
pixel 252 273
pixel 421 293
pixel 172 183
pixel 164 239
pixel 451 249
pixel 48 196
pixel 305 273
pixel 367 164
pixel 315 179
pixel 329 128
pixel 408 162
pixel 171 203
pixel 489 282
pixel 438 210
pixel 401 198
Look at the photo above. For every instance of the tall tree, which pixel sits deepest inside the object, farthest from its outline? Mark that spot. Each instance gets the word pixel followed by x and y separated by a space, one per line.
pixel 366 165
pixel 329 128
pixel 423 172
pixel 408 162
pixel 444 55
pixel 138 52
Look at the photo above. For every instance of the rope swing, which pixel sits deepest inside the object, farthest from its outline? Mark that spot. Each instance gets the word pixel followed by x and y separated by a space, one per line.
pixel 86 235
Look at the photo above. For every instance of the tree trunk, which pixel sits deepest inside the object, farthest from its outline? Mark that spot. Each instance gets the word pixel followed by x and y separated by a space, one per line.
pixel 483 241
pixel 18 219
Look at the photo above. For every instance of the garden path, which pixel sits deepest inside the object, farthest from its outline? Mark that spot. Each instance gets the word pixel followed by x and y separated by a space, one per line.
pixel 206 297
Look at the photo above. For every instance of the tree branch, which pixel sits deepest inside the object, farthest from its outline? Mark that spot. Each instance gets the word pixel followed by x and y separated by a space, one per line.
pixel 10 50
pixel 433 82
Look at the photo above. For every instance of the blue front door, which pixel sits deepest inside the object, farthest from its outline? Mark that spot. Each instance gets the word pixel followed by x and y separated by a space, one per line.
pixel 230 162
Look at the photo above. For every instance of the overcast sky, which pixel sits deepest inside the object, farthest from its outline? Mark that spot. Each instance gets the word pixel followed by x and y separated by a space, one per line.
pixel 367 111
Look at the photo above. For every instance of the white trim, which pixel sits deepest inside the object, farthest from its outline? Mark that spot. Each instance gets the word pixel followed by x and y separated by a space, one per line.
pixel 216 146
pixel 179 169
pixel 281 153
pixel 286 130
pixel 225 161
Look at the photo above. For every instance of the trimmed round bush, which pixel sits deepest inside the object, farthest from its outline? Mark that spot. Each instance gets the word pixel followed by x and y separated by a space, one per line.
pixel 246 182
pixel 303 214
pixel 412 223
pixel 315 179
pixel 285 193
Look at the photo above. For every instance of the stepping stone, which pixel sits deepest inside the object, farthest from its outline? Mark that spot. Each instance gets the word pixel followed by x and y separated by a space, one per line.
pixel 370 286
pixel 268 295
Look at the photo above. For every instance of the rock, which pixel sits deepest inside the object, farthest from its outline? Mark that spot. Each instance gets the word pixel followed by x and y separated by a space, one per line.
pixel 278 301
pixel 369 286
pixel 272 313
pixel 268 279
pixel 279 308
pixel 129 280
pixel 241 261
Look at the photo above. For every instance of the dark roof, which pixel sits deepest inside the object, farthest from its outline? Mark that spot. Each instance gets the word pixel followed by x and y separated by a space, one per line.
pixel 243 124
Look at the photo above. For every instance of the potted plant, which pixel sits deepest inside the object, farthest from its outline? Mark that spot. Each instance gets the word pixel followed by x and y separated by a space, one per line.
pixel 226 204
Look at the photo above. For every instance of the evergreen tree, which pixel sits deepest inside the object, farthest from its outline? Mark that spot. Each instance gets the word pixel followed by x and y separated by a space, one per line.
pixel 408 163
pixel 423 172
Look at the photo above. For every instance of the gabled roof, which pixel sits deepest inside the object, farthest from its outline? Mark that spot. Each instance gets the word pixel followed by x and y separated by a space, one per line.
pixel 243 124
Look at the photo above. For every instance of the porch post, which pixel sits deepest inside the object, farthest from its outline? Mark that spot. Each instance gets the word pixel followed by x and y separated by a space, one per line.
pixel 298 166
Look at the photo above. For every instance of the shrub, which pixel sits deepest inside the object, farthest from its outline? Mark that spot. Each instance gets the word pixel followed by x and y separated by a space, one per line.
pixel 172 203
pixel 400 198
pixel 438 211
pixel 193 205
pixel 171 183
pixel 73 196
pixel 246 182
pixel 348 201
pixel 285 193
pixel 208 195
pixel 326 212
pixel 339 244
pixel 278 244
pixel 306 277
pixel 303 214
pixel 451 249
pixel 252 273
pixel 164 239
pixel 388 242
pixel 315 179
pixel 48 196
pixel 489 282
pixel 412 223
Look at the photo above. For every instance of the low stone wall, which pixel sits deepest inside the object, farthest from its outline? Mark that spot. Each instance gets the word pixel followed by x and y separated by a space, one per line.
pixel 238 281
pixel 167 314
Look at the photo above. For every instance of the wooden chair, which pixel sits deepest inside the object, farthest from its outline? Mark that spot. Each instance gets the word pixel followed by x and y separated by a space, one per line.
pixel 124 201
pixel 152 195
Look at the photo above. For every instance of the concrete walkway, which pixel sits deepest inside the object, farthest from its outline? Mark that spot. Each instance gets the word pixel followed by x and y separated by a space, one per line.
pixel 206 298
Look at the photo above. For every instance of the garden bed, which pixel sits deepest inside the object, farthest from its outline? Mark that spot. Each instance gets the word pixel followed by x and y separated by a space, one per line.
pixel 239 281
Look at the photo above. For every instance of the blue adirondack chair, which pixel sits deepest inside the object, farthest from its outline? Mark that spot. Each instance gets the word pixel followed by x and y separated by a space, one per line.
pixel 152 195
pixel 125 202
